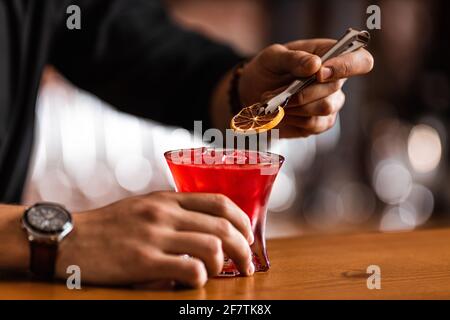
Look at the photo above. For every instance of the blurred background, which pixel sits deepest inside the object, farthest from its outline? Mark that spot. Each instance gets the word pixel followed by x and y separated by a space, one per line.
pixel 384 166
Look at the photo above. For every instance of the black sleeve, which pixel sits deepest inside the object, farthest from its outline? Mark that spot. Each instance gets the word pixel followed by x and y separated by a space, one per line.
pixel 131 55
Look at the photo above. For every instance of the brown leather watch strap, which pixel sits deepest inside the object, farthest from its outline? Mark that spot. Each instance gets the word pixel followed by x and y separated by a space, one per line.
pixel 43 259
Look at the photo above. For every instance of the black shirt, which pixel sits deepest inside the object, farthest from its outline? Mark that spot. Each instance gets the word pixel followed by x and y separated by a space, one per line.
pixel 127 52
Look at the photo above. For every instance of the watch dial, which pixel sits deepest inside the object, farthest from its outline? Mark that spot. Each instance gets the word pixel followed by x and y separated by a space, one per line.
pixel 47 218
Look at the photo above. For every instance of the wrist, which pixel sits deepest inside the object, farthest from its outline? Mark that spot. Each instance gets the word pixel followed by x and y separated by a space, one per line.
pixel 227 97
pixel 234 91
pixel 14 246
pixel 68 249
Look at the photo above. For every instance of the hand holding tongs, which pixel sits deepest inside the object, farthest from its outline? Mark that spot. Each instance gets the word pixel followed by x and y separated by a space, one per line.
pixel 351 41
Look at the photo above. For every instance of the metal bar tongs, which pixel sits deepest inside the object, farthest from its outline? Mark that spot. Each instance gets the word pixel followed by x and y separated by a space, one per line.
pixel 351 41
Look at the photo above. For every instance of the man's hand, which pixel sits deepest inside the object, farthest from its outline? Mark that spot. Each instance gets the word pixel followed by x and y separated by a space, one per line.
pixel 142 239
pixel 314 110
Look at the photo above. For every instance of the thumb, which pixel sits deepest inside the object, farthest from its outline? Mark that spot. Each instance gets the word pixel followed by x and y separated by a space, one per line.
pixel 280 60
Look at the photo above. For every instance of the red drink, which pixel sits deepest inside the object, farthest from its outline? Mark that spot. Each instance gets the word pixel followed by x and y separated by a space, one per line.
pixel 246 177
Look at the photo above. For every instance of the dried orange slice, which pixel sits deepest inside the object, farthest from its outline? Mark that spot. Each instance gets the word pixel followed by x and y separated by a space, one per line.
pixel 249 120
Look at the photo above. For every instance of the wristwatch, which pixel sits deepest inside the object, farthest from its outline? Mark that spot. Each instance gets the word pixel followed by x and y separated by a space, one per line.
pixel 46 224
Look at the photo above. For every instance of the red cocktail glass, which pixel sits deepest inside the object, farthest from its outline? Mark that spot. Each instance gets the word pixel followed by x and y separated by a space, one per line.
pixel 246 177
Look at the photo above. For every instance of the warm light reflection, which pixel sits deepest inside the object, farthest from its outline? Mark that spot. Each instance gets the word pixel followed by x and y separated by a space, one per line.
pixel 320 209
pixel 397 219
pixel 283 192
pixel 55 187
pixel 133 173
pixel 420 204
pixel 424 148
pixel 392 181
pixel 299 153
pixel 79 149
pixel 98 185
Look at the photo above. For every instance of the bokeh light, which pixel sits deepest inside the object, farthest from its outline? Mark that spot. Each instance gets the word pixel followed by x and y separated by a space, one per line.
pixel 320 209
pixel 392 181
pixel 424 148
pixel 99 184
pixel 299 153
pixel 397 219
pixel 133 173
pixel 283 192
pixel 419 204
pixel 356 202
pixel 55 187
pixel 383 164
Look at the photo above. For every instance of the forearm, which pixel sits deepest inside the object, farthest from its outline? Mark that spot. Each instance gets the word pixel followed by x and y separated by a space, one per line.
pixel 161 71
pixel 14 251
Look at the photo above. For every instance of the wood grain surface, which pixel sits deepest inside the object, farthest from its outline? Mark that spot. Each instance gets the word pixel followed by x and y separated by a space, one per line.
pixel 413 265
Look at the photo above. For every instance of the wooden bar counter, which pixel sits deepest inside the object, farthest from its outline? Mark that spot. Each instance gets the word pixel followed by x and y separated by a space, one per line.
pixel 414 265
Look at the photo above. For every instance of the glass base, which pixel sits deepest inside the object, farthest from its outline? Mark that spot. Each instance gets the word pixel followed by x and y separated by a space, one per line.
pixel 261 263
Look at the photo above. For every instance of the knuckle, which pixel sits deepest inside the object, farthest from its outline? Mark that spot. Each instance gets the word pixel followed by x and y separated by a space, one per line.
pixel 155 212
pixel 301 97
pixel 160 194
pixel 321 125
pixel 327 106
pixel 331 122
pixel 311 123
pixel 222 202
pixel 197 273
pixel 335 86
pixel 224 227
pixel 153 235
pixel 157 193
pixel 369 61
pixel 326 124
pixel 213 245
pixel 275 48
pixel 310 63
pixel 214 249
pixel 245 253
pixel 141 256
pixel 139 205
pixel 345 69
pixel 273 57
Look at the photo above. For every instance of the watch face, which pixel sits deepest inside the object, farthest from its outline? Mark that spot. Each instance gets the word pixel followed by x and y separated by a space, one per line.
pixel 48 218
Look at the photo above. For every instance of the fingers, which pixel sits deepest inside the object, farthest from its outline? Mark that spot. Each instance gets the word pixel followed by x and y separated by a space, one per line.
pixel 329 105
pixel 311 125
pixel 188 271
pixel 220 206
pixel 294 132
pixel 279 60
pixel 315 46
pixel 315 117
pixel 351 64
pixel 233 242
pixel 206 247
pixel 347 65
pixel 270 94
pixel 316 92
pixel 312 118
